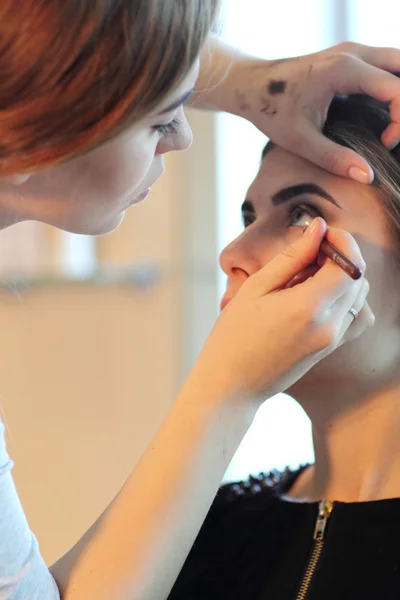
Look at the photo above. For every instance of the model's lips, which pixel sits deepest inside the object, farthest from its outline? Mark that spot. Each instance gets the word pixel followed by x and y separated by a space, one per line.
pixel 299 278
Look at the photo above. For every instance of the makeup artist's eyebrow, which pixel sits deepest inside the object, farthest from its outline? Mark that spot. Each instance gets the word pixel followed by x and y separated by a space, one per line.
pixel 178 103
pixel 288 193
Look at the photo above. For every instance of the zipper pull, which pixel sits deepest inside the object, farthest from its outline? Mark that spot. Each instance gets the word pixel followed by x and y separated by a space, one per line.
pixel 324 512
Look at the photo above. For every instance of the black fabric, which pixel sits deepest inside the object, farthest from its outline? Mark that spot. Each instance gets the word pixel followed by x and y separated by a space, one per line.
pixel 254 545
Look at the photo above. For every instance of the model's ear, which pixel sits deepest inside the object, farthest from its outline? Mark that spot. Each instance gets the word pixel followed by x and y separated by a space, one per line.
pixel 17 179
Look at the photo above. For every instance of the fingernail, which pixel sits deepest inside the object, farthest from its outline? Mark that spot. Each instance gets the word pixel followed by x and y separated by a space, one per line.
pixel 371 320
pixel 394 145
pixel 360 175
pixel 309 230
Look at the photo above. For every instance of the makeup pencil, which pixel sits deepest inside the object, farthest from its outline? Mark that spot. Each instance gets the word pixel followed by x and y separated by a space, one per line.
pixel 338 257
pixel 341 260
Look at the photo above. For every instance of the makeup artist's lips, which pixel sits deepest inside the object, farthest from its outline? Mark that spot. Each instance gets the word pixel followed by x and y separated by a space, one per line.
pixel 141 197
pixel 137 199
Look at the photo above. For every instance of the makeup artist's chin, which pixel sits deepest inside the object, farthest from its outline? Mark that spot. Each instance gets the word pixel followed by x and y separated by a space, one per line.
pixel 104 228
pixel 108 224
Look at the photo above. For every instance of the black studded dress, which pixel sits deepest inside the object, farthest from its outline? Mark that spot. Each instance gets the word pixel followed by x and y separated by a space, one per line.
pixel 255 545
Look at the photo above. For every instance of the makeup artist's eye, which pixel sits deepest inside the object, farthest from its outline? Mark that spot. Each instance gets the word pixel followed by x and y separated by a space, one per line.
pixel 302 215
pixel 171 128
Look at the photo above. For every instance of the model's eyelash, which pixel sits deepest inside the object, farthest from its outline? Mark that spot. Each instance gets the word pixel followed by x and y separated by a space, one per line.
pixel 171 128
pixel 308 208
pixel 249 217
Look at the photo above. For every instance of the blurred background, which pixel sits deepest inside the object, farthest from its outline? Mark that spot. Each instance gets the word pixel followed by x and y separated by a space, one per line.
pixel 99 333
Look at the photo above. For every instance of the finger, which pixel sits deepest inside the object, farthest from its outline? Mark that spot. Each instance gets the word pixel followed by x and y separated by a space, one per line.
pixel 287 264
pixel 384 58
pixel 330 282
pixel 382 86
pixel 302 276
pixel 352 327
pixel 361 77
pixel 391 136
pixel 352 75
pixel 332 157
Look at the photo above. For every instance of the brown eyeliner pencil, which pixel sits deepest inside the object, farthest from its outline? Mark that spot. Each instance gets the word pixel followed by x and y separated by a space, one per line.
pixel 341 260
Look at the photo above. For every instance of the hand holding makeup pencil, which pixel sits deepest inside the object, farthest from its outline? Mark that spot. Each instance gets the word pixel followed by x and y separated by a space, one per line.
pixel 272 333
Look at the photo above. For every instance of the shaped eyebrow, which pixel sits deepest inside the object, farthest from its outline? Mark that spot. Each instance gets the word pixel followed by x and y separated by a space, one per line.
pixel 178 103
pixel 288 193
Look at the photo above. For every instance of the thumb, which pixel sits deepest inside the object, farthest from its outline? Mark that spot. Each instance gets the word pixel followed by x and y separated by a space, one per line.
pixel 290 261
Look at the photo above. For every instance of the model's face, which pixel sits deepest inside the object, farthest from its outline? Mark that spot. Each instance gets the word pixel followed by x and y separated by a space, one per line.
pixel 90 194
pixel 272 219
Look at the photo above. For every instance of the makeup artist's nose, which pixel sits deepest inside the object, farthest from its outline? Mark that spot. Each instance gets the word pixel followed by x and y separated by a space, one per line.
pixel 181 140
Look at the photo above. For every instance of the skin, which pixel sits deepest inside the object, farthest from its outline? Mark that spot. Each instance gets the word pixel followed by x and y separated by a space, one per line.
pixel 110 178
pixel 351 396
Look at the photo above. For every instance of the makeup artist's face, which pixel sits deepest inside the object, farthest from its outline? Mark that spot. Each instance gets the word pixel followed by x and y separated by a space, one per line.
pixel 286 190
pixel 90 194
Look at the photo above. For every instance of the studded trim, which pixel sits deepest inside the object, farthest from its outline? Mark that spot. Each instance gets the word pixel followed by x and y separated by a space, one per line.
pixel 273 483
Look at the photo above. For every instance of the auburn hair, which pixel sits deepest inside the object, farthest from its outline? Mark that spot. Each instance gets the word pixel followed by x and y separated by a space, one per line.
pixel 75 73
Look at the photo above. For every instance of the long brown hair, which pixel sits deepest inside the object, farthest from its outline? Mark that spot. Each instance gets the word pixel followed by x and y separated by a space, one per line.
pixel 74 73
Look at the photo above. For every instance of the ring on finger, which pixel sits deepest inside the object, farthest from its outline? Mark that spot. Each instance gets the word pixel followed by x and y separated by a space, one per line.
pixel 354 313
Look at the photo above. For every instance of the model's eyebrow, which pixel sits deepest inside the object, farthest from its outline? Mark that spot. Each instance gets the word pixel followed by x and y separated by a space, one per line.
pixel 178 103
pixel 248 206
pixel 288 193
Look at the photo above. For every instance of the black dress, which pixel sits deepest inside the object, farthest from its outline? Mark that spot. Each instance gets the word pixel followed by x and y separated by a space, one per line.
pixel 254 545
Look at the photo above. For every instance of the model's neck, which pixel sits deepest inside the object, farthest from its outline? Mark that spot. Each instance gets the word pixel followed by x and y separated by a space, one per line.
pixel 357 446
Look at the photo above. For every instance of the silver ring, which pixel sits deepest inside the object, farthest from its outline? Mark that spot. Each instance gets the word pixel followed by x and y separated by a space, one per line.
pixel 353 312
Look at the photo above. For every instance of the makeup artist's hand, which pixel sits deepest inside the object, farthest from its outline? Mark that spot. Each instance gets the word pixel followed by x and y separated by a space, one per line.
pixel 288 99
pixel 268 337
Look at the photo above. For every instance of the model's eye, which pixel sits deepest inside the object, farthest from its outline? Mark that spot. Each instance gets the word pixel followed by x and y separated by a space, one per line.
pixel 302 215
pixel 248 219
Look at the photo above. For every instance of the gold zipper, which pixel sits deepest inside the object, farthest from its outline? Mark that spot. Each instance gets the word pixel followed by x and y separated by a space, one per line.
pixel 325 509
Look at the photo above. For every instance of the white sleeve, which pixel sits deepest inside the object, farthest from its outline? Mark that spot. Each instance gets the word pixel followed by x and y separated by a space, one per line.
pixel 23 572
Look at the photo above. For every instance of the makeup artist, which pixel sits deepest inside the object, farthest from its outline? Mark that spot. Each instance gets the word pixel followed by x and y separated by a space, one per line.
pixel 92 96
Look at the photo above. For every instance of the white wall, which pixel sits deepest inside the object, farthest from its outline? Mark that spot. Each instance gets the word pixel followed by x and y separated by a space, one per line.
pixel 375 22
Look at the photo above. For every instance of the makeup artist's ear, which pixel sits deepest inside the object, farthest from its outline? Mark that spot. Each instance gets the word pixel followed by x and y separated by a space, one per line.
pixel 17 179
